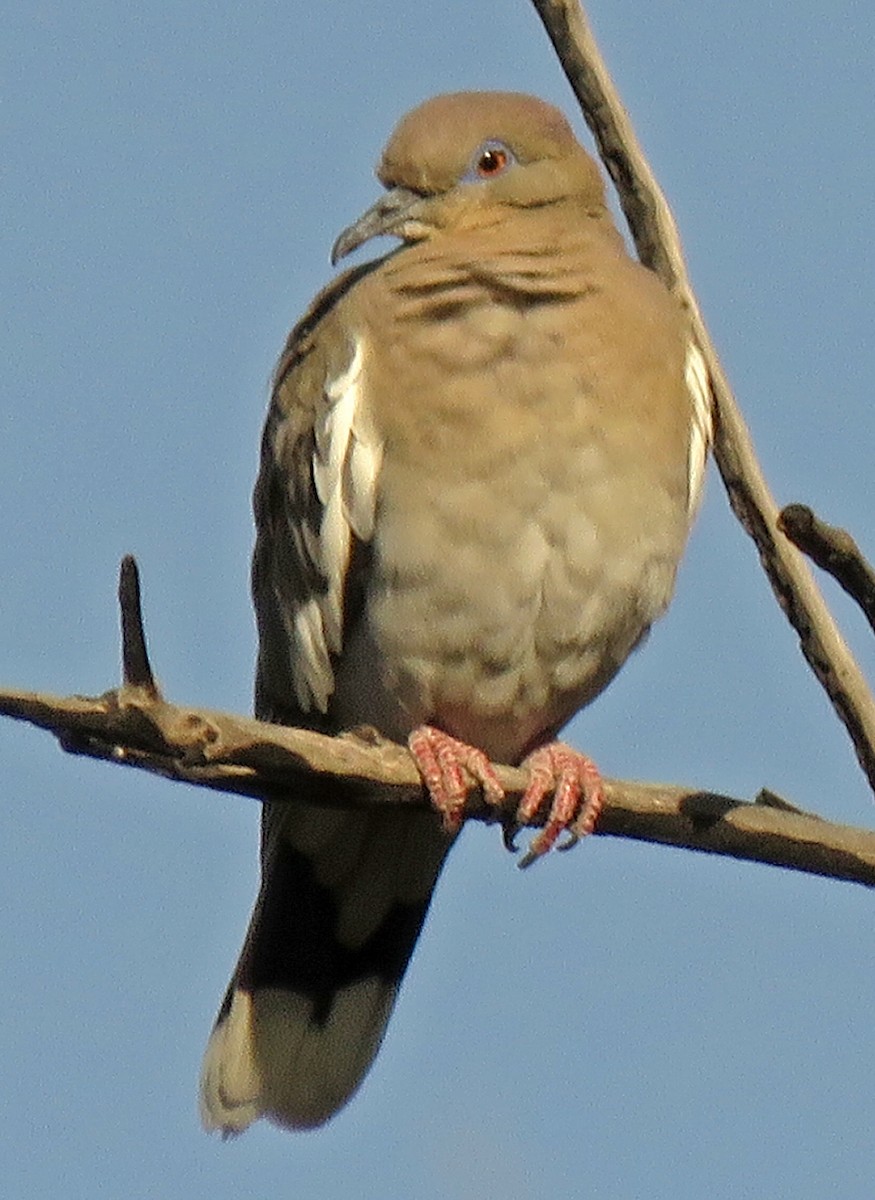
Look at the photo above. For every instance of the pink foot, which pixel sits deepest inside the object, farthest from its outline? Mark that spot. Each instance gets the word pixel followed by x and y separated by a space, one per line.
pixel 575 785
pixel 443 762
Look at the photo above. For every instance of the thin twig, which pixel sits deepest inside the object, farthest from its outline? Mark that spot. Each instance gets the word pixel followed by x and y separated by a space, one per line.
pixel 834 551
pixel 136 668
pixel 656 238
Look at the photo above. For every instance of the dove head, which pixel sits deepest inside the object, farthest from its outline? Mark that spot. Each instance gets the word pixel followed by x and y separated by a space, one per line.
pixel 458 160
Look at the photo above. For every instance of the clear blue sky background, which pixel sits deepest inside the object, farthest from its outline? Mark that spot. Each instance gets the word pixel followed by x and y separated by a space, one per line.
pixel 622 1022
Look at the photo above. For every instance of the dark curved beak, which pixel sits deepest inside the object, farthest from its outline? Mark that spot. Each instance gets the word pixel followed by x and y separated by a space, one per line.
pixel 388 216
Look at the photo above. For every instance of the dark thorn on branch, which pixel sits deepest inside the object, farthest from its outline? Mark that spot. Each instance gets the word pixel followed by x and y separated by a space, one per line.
pixel 770 799
pixel 136 668
pixel 834 551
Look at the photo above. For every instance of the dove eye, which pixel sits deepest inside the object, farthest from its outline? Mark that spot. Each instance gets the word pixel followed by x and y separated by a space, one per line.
pixel 490 160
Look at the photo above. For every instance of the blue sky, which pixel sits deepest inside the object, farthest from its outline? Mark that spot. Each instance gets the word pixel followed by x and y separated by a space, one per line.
pixel 625 1021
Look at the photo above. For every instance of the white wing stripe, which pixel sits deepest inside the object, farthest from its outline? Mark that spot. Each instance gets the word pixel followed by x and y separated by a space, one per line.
pixel 702 427
pixel 346 464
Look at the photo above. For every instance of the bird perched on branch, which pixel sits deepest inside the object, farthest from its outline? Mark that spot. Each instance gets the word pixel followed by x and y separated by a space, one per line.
pixel 479 468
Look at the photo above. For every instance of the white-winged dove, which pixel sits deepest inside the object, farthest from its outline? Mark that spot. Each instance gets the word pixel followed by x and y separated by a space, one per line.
pixel 479 468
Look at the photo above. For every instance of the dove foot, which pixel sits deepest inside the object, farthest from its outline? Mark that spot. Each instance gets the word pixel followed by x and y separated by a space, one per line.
pixel 449 768
pixel 573 783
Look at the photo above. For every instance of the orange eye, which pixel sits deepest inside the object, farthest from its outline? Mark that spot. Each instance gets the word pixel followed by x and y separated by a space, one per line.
pixel 491 162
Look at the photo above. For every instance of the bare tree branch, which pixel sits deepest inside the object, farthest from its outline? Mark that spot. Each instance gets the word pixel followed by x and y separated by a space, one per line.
pixel 135 726
pixel 659 247
pixel 235 754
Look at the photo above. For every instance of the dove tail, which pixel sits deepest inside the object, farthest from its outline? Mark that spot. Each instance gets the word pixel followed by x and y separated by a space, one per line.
pixel 343 898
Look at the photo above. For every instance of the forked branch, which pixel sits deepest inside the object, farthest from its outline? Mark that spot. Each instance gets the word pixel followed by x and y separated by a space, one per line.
pixel 659 247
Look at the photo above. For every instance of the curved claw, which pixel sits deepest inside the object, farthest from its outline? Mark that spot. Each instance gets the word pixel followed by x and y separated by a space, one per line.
pixel 510 831
pixel 530 856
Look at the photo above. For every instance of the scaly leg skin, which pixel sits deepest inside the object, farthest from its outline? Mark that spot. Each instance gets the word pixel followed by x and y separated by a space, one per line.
pixel 443 762
pixel 575 784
